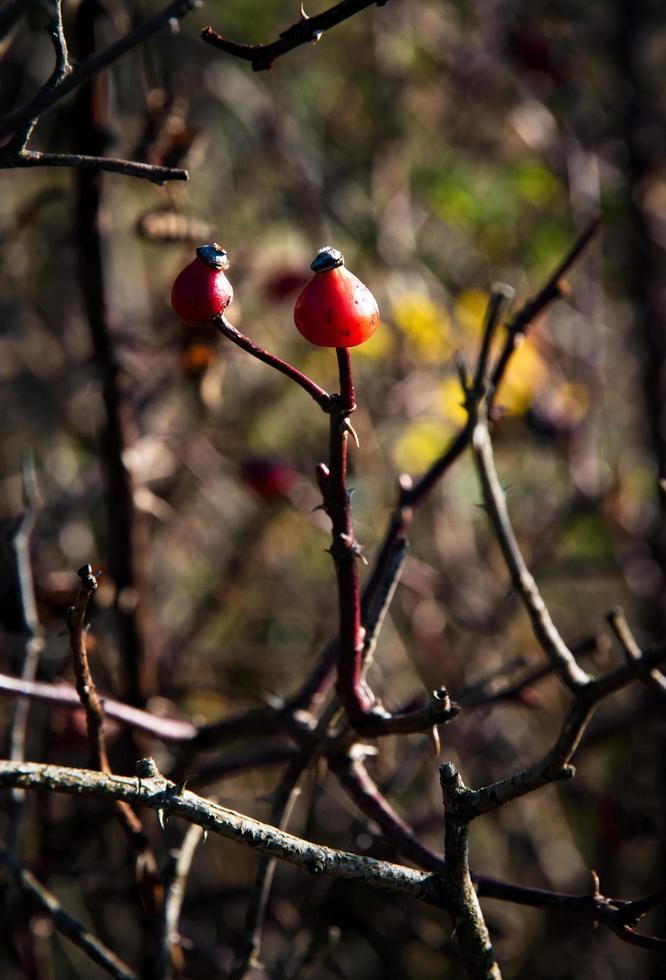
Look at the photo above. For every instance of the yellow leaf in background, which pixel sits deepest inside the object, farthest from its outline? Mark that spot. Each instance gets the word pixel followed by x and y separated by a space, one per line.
pixel 425 324
pixel 419 445
pixel 470 310
pixel 449 401
pixel 525 375
pixel 379 346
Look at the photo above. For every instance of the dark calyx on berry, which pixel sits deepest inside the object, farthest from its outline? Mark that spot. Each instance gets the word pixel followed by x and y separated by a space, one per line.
pixel 327 258
pixel 213 255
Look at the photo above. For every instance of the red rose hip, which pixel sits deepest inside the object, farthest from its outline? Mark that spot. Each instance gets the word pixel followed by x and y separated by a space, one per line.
pixel 335 309
pixel 202 291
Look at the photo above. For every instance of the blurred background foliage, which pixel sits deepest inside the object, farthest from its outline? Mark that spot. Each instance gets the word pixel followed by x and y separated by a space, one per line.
pixel 441 146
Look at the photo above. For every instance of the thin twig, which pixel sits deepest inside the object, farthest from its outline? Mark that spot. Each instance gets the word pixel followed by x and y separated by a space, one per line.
pixel 556 763
pixel 554 288
pixel 484 692
pixel 85 686
pixel 545 631
pixel 617 621
pixel 92 65
pixel 284 798
pixel 62 68
pixel 307 30
pixel 130 168
pixel 66 924
pixel 175 878
pixel 32 638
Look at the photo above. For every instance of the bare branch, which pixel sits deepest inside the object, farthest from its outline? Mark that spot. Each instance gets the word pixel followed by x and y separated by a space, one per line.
pixel 545 631
pixel 468 922
pixel 159 794
pixel 92 705
pixel 307 30
pixel 66 924
pixel 175 876
pixel 130 168
pixel 169 729
pixel 62 68
pixel 32 640
pixel 362 789
pixel 85 685
pixel 553 289
pixel 654 679
pixel 92 65
pixel 555 765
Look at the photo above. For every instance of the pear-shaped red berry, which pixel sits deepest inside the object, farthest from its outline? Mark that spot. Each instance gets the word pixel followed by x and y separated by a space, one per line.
pixel 202 291
pixel 335 309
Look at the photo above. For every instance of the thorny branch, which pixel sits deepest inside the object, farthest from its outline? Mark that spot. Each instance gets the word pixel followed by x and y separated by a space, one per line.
pixel 167 797
pixel 413 494
pixel 85 685
pixel 308 30
pixel 174 800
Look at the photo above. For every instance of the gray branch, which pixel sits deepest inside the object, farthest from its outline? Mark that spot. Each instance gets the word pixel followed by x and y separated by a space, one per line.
pixel 468 922
pixel 162 795
pixel 545 631
pixel 180 862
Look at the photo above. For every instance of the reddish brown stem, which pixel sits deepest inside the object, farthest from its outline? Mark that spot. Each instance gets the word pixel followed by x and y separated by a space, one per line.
pixel 325 401
pixel 85 685
pixel 345 551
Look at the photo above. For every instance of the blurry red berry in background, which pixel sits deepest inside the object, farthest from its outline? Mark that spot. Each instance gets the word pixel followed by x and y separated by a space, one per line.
pixel 196 358
pixel 533 52
pixel 335 309
pixel 270 478
pixel 202 291
pixel 283 283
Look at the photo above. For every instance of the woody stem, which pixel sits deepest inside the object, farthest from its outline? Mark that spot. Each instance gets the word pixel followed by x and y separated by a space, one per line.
pixel 344 549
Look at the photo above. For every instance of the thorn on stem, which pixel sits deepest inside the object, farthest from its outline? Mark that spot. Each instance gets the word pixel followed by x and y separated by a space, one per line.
pixel 347 427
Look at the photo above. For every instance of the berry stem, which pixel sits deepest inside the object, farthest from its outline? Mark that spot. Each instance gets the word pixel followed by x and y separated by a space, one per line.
pixel 345 551
pixel 325 401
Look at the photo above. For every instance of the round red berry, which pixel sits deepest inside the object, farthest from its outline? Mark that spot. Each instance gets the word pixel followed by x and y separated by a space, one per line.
pixel 202 291
pixel 335 309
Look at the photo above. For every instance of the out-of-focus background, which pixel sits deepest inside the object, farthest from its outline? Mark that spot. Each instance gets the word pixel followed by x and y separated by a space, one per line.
pixel 441 146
